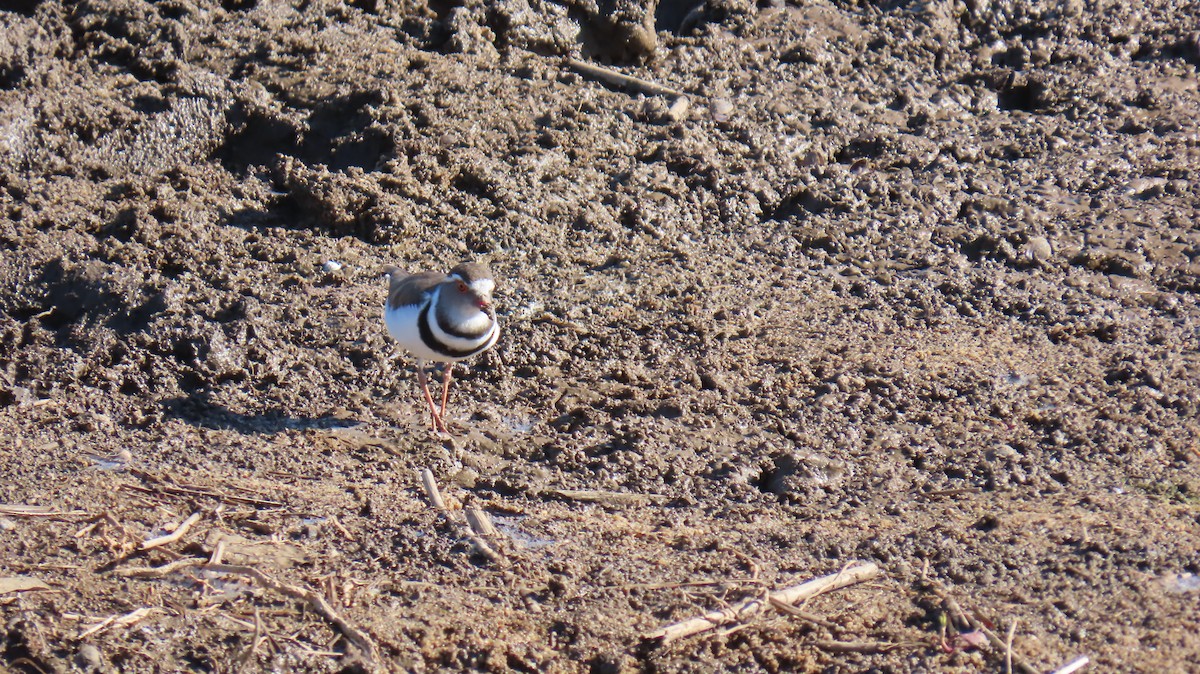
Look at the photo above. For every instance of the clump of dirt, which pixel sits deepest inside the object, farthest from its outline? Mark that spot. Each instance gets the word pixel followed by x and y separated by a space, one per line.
pixel 909 284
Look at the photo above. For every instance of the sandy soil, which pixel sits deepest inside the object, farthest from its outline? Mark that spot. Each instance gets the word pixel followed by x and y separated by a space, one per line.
pixel 913 284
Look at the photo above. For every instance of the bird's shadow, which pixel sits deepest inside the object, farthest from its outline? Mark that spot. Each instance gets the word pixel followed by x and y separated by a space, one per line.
pixel 199 410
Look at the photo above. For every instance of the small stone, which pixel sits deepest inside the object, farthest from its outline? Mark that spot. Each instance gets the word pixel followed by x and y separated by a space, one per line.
pixel 466 478
pixel 721 110
pixel 89 658
pixel 712 382
pixel 1146 188
pixel 7 524
pixel 679 109
pixel 331 266
pixel 1038 249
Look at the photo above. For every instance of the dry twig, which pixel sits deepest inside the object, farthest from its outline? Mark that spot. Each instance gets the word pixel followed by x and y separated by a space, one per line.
pixel 480 523
pixel 1074 665
pixel 799 613
pixel 167 539
pixel 117 620
pixel 435 497
pixel 22 510
pixel 260 635
pixel 166 486
pixel 160 571
pixel 621 79
pixel 1008 654
pixel 865 647
pixel 357 638
pixel 992 637
pixel 603 497
pixel 750 607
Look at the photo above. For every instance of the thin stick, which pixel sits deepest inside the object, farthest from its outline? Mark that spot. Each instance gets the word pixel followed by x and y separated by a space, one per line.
pixel 435 497
pixel 865 647
pixel 160 571
pixel 121 620
pixel 480 523
pixel 621 79
pixel 26 662
pixel 432 491
pixel 603 497
pixel 1012 632
pixel 338 525
pixel 803 615
pixel 22 510
pixel 188 491
pixel 750 607
pixel 173 536
pixel 1074 665
pixel 355 636
pixel 996 641
pixel 690 583
pixel 218 553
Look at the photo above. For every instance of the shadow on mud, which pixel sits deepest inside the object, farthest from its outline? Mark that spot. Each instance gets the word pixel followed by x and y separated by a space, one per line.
pixel 199 411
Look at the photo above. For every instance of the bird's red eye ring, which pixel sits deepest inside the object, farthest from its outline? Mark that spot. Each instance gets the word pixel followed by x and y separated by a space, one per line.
pixel 462 287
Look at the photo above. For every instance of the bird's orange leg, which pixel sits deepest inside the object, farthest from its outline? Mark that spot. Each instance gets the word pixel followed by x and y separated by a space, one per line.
pixel 422 377
pixel 447 375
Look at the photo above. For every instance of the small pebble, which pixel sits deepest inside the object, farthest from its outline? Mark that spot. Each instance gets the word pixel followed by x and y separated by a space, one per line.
pixel 89 658
pixel 721 110
pixel 1181 582
pixel 1038 249
pixel 7 524
pixel 678 109
pixel 331 266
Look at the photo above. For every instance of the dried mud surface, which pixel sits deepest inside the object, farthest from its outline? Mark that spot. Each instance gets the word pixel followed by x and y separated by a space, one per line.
pixel 907 283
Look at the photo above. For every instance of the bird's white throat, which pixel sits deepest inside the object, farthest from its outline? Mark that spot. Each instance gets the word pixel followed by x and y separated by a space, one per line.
pixel 477 323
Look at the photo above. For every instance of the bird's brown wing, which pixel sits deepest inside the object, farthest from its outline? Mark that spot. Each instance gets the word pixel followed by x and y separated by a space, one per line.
pixel 408 289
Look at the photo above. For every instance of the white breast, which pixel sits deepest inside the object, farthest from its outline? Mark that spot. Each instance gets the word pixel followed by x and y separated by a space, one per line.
pixel 402 326
pixel 479 321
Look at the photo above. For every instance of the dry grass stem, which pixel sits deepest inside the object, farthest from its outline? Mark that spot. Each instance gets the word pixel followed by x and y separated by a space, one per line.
pixel 435 498
pixel 218 553
pixel 431 490
pixel 21 510
pixel 480 523
pixel 160 485
pixel 260 635
pixel 337 524
pixel 160 571
pixel 167 539
pixel 357 638
pixel 799 613
pixel 1008 641
pixel 628 82
pixel 603 497
pixel 856 573
pixel 963 617
pixel 1074 665
pixel 683 584
pixel 864 647
pixel 117 621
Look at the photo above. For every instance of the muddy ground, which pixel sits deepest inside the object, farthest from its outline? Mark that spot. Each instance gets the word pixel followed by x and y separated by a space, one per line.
pixel 913 284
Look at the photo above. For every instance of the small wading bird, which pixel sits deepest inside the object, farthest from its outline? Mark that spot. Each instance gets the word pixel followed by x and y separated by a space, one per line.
pixel 443 318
